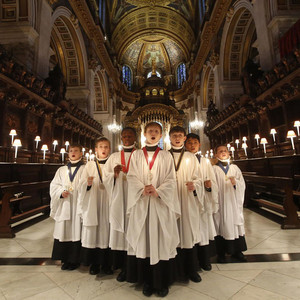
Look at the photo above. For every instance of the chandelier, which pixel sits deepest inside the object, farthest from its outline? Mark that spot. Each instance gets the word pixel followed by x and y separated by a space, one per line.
pixel 196 124
pixel 114 127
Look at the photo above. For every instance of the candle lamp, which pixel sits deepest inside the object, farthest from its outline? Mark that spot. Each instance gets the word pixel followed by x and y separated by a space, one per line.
pixel 44 149
pixel 291 135
pixel 87 156
pixel 237 141
pixel 228 147
pixel 13 133
pixel 62 152
pixel 37 140
pixel 244 139
pixel 244 146
pixel 297 125
pixel 264 141
pixel 83 150
pixel 55 143
pixel 17 143
pixel 273 132
pixel 92 157
pixel 120 147
pixel 67 144
pixel 257 137
pixel 232 150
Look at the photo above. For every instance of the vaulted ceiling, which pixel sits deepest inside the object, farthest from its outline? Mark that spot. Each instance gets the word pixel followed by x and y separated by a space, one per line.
pixel 152 30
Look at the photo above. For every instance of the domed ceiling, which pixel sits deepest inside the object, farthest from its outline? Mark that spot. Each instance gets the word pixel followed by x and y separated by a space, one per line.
pixel 147 31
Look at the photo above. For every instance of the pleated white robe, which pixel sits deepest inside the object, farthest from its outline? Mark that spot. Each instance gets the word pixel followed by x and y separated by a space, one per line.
pixel 191 206
pixel 93 208
pixel 211 203
pixel 229 220
pixel 67 226
pixel 117 190
pixel 152 228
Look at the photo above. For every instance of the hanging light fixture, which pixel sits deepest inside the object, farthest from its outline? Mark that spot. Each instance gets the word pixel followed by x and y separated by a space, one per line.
pixel 114 127
pixel 196 124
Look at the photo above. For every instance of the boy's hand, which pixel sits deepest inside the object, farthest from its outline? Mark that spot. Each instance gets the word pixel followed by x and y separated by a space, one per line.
pixel 117 170
pixel 232 179
pixel 207 184
pixel 65 194
pixel 190 186
pixel 149 190
pixel 90 180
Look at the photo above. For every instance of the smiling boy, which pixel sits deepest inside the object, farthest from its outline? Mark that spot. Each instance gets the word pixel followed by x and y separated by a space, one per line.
pixel 153 209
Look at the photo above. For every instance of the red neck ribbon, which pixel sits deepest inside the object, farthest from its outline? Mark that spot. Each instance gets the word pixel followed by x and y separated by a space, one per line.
pixel 153 158
pixel 125 168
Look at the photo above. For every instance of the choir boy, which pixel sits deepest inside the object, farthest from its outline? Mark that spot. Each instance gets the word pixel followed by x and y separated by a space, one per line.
pixel 64 190
pixel 153 209
pixel 229 220
pixel 206 248
pixel 115 180
pixel 93 207
pixel 189 181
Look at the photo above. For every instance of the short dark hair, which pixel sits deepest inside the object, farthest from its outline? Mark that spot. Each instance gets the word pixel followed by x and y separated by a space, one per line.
pixel 177 129
pixel 193 136
pixel 102 139
pixel 76 145
pixel 218 146
pixel 129 129
pixel 152 124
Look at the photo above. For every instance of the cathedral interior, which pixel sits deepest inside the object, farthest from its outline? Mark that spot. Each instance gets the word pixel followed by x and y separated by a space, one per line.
pixel 73 71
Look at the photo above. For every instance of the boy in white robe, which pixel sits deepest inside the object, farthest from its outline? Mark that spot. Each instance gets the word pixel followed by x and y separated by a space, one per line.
pixel 64 196
pixel 153 209
pixel 189 180
pixel 115 181
pixel 93 208
pixel 206 247
pixel 229 220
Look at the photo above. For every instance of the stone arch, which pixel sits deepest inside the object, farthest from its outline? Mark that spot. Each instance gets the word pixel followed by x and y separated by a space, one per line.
pixel 239 34
pixel 68 48
pixel 101 91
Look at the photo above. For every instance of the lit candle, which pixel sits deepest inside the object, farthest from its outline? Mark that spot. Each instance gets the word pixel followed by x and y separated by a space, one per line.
pixel 291 135
pixel 273 132
pixel 211 154
pixel 67 144
pixel 228 147
pixel 37 140
pixel 297 124
pixel 44 149
pixel 206 155
pixel 92 157
pixel 62 151
pixel 13 133
pixel 244 139
pixel 55 143
pixel 257 137
pixel 244 146
pixel 264 141
pixel 83 150
pixel 120 147
pixel 232 150
pixel 87 156
pixel 237 141
pixel 17 143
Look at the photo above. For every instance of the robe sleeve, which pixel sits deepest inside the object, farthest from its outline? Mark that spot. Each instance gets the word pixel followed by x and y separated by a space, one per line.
pixel 198 182
pixel 240 188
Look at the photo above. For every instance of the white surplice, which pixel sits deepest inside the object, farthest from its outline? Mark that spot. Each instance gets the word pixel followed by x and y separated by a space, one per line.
pixel 117 190
pixel 152 228
pixel 191 206
pixel 211 203
pixel 93 208
pixel 67 226
pixel 229 220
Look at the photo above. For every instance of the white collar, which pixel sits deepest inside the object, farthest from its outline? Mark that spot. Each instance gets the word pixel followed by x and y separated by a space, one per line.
pixel 177 148
pixel 151 145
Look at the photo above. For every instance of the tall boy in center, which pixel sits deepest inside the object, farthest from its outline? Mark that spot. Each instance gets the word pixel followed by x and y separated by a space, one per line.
pixel 153 209
pixel 190 194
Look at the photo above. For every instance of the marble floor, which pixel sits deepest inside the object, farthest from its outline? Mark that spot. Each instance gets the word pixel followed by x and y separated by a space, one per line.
pixel 34 276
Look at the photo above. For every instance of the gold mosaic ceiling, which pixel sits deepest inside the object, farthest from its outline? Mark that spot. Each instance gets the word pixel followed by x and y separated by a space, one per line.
pixel 147 30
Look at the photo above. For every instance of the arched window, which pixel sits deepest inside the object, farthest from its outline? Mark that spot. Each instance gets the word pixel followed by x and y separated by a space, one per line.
pixel 201 10
pixel 126 76
pixel 181 75
pixel 102 12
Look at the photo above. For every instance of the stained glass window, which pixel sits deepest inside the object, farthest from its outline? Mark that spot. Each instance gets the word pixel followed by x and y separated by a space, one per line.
pixel 102 9
pixel 181 75
pixel 126 76
pixel 201 10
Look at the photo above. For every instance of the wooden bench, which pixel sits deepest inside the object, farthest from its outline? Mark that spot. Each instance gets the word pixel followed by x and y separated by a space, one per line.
pixel 9 199
pixel 275 194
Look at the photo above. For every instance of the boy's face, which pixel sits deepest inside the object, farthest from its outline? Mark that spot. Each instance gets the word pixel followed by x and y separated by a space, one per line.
pixel 75 153
pixel 177 139
pixel 192 145
pixel 128 138
pixel 153 134
pixel 102 149
pixel 222 153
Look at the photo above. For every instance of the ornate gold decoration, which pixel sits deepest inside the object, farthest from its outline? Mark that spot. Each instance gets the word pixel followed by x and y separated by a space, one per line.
pixel 141 3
